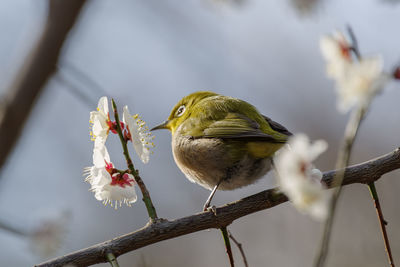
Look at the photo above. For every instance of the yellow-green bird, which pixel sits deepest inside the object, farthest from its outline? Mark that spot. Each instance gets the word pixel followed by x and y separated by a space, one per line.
pixel 221 142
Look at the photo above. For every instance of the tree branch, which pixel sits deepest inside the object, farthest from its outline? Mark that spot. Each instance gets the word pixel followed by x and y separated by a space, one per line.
pixel 365 173
pixel 39 67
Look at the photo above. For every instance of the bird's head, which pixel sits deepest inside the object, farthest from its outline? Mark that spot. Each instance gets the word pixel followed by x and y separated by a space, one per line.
pixel 183 110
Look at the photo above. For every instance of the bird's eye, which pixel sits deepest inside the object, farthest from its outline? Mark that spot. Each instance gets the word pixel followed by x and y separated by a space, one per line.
pixel 180 111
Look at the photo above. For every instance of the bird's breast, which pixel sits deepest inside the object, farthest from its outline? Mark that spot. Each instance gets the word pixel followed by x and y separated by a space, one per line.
pixel 201 160
pixel 206 161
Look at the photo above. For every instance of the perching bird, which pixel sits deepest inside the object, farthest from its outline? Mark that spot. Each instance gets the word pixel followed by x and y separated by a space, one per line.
pixel 221 142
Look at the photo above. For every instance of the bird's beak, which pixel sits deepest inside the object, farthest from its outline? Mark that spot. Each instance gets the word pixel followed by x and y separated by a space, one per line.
pixel 163 125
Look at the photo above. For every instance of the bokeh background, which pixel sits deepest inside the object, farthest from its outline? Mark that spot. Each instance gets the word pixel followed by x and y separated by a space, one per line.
pixel 149 54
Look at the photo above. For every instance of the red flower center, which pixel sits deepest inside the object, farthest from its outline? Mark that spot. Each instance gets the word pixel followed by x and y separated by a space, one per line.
pixel 303 166
pixel 345 50
pixel 113 125
pixel 122 180
pixel 127 134
pixel 109 167
pixel 117 178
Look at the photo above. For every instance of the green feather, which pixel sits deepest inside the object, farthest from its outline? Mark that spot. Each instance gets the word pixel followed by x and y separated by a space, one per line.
pixel 229 118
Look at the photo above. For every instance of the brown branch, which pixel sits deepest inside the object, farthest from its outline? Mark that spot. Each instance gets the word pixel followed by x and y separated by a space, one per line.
pixel 365 173
pixel 39 67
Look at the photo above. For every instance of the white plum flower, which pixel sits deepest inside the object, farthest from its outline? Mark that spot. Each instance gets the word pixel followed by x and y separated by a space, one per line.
pixel 138 133
pixel 100 120
pixel 109 184
pixel 336 51
pixel 357 82
pixel 362 81
pixel 299 180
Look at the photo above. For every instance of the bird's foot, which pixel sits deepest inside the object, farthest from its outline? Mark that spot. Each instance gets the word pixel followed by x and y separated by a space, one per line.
pixel 213 209
pixel 206 205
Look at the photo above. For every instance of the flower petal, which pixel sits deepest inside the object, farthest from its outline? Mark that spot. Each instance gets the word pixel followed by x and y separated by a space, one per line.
pixel 103 105
pixel 298 179
pixel 141 138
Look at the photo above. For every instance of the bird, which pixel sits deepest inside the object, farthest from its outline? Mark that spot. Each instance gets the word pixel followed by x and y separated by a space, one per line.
pixel 222 142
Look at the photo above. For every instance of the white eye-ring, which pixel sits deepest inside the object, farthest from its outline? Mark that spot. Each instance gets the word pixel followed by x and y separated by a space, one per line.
pixel 180 111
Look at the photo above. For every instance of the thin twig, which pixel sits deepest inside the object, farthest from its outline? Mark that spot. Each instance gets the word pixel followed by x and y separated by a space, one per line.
pixel 371 186
pixel 354 42
pixel 12 229
pixel 112 260
pixel 228 247
pixel 146 195
pixel 364 173
pixel 343 161
pixel 66 66
pixel 74 90
pixel 383 223
pixel 240 247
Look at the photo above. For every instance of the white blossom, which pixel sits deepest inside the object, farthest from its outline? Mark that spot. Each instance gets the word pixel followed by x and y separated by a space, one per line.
pixel 298 179
pixel 109 184
pixel 100 120
pixel 138 133
pixel 362 81
pixel 336 51
pixel 357 82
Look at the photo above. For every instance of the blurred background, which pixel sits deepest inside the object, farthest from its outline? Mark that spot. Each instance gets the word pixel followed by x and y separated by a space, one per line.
pixel 149 54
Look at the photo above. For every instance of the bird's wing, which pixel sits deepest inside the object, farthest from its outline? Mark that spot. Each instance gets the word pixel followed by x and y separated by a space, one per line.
pixel 238 126
pixel 277 127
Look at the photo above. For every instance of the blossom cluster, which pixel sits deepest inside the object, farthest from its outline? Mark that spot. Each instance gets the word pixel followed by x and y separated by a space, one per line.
pixel 110 185
pixel 357 81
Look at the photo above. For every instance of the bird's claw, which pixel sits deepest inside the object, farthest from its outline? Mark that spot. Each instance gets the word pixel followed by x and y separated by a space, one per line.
pixel 213 209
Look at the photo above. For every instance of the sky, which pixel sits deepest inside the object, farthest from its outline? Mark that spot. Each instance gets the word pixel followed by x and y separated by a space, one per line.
pixel 148 55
